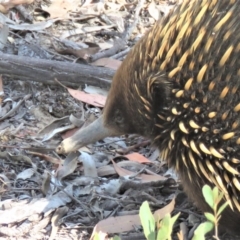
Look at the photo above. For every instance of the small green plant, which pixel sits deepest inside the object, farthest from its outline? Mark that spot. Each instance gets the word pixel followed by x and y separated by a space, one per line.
pixel 162 230
pixel 213 197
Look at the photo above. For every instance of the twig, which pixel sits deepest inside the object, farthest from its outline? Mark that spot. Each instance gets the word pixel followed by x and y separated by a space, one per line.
pixel 44 71
pixel 119 44
pixel 121 54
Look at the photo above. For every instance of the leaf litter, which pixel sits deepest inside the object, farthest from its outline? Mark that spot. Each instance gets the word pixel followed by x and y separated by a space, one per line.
pixel 102 186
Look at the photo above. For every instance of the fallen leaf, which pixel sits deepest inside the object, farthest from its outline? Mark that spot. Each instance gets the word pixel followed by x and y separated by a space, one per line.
pixel 68 167
pixel 107 62
pixel 92 99
pixel 117 224
pixel 160 213
pixel 137 158
pixel 84 53
pixel 144 177
pixel 127 223
pixel 95 90
pixel 69 133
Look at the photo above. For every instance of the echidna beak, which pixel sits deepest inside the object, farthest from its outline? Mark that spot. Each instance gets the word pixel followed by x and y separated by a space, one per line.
pixel 90 134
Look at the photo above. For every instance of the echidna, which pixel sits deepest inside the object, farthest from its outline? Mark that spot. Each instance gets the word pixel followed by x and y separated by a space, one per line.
pixel 180 87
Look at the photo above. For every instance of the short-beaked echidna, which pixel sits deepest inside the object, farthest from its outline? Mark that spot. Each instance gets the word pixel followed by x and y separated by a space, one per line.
pixel 180 87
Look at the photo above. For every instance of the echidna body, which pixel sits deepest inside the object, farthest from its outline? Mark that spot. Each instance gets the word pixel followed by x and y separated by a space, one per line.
pixel 180 87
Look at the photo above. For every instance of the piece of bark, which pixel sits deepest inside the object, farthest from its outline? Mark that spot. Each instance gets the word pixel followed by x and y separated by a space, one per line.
pixel 45 71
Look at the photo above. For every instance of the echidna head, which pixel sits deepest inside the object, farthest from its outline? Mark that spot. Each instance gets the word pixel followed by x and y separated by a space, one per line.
pixel 134 101
pixel 132 106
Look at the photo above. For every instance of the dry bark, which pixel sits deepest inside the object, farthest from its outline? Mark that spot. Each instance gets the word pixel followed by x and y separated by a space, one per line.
pixel 45 71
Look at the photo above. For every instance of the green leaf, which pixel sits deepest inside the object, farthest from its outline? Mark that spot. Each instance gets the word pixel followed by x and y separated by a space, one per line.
pixel 210 217
pixel 208 195
pixel 220 210
pixel 147 220
pixel 174 219
pixel 203 228
pixel 165 228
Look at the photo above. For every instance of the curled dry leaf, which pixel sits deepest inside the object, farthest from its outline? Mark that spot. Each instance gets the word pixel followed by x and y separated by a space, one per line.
pixel 137 158
pixel 92 99
pixel 159 214
pixel 95 90
pixel 55 123
pixel 117 224
pixel 144 177
pixel 127 223
pixel 107 62
pixel 68 167
pixel 47 157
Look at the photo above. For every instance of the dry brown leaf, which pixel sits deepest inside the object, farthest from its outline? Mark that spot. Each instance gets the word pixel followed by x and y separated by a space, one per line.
pixel 84 53
pixel 160 213
pixel 144 177
pixel 137 158
pixel 117 224
pixel 92 99
pixel 69 133
pixel 109 169
pixel 107 62
pixel 68 167
pixel 127 223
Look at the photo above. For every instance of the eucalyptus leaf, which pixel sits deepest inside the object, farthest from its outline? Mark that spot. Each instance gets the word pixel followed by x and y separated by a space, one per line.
pixel 165 228
pixel 148 221
pixel 208 195
pixel 210 217
pixel 203 228
pixel 220 210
